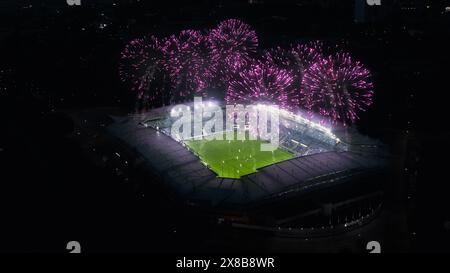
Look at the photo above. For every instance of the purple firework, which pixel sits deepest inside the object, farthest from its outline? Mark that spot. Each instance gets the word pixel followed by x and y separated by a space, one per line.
pixel 284 59
pixel 186 63
pixel 337 88
pixel 281 57
pixel 232 44
pixel 306 54
pixel 265 83
pixel 297 58
pixel 141 64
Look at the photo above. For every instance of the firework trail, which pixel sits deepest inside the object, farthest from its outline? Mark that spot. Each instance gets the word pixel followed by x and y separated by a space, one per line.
pixel 337 88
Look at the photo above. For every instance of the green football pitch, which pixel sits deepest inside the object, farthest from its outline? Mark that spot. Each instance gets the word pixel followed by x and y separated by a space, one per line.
pixel 235 158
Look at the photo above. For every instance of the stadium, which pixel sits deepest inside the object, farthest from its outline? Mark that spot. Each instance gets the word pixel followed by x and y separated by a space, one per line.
pixel 230 157
pixel 316 183
pixel 323 176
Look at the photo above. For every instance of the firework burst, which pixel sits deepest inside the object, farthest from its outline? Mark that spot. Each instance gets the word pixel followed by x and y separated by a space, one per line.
pixel 187 63
pixel 264 83
pixel 297 58
pixel 337 88
pixel 284 59
pixel 280 57
pixel 226 59
pixel 232 44
pixel 306 54
pixel 141 64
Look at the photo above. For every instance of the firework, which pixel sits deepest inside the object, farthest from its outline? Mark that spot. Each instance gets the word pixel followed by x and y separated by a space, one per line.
pixel 284 59
pixel 232 44
pixel 179 66
pixel 263 83
pixel 141 65
pixel 306 54
pixel 337 88
pixel 297 58
pixel 280 57
pixel 187 63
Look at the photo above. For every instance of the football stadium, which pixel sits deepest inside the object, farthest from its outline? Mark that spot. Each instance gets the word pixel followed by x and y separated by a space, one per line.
pixel 235 158
pixel 316 182
pixel 322 175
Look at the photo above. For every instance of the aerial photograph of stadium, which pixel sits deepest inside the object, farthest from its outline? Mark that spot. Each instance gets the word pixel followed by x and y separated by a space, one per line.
pixel 254 126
